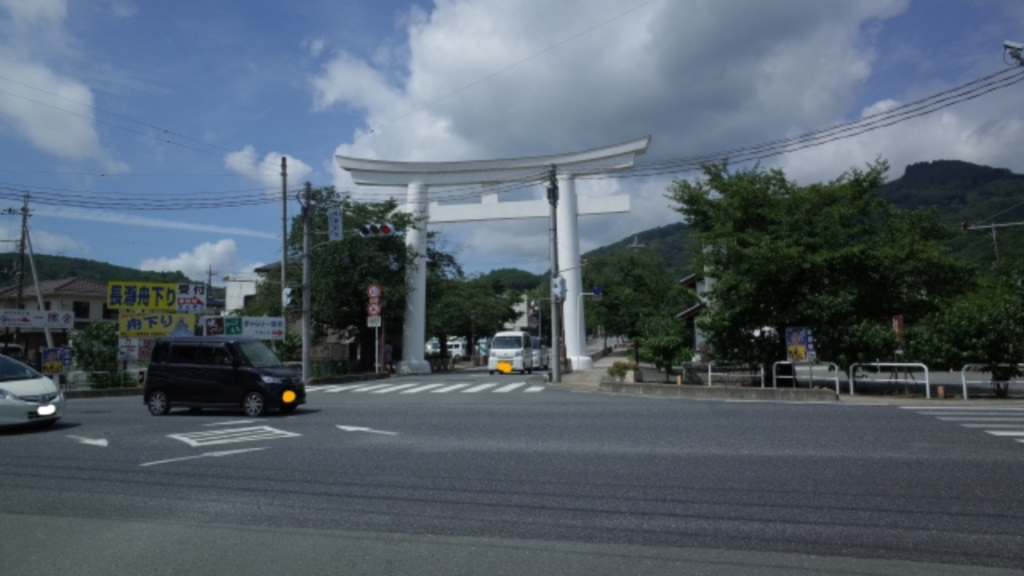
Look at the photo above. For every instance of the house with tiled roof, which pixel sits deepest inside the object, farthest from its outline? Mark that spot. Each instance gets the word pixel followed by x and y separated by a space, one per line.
pixel 86 299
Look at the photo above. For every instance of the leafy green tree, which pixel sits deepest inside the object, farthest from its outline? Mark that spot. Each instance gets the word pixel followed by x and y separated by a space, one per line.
pixel 664 341
pixel 342 270
pixel 830 256
pixel 467 307
pixel 985 328
pixel 95 351
pixel 635 287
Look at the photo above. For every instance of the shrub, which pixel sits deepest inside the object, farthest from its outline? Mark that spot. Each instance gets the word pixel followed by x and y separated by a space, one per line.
pixel 619 368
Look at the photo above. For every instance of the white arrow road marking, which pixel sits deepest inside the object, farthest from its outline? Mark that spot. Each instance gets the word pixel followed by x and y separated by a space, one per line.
pixel 206 455
pixel 362 429
pixel 90 441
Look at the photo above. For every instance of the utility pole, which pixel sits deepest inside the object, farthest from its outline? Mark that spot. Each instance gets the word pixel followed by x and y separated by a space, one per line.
pixel 556 340
pixel 307 297
pixel 284 236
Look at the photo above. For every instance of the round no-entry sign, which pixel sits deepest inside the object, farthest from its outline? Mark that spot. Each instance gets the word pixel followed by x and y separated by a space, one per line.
pixel 373 291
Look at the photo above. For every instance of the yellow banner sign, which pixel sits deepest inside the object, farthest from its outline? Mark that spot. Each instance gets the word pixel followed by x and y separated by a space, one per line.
pixel 155 324
pixel 142 296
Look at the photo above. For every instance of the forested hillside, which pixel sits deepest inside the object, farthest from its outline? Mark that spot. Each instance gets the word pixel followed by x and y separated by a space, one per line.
pixel 56 267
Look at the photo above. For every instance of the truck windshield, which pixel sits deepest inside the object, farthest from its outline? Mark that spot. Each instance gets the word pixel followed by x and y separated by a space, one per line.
pixel 507 342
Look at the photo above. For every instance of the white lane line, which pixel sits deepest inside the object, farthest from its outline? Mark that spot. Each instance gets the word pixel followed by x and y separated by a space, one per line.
pixel 982 419
pixel 229 423
pixel 420 389
pixel 370 388
pixel 449 388
pixel 364 429
pixel 535 389
pixel 509 387
pixel 101 442
pixel 206 455
pixel 232 436
pixel 1006 432
pixel 393 388
pixel 995 425
pixel 336 389
pixel 963 408
pixel 479 388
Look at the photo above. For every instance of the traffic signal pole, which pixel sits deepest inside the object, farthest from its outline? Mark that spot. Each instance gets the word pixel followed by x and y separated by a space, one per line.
pixel 307 296
pixel 556 334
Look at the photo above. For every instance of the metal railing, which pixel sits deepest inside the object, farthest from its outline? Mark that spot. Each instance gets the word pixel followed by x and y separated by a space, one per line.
pixel 983 369
pixel 760 373
pixel 893 376
pixel 832 367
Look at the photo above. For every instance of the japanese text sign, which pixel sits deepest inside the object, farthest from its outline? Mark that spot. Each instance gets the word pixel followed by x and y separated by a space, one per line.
pixel 155 324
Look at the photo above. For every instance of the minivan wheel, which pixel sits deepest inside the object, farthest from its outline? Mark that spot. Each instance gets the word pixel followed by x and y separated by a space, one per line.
pixel 158 403
pixel 254 404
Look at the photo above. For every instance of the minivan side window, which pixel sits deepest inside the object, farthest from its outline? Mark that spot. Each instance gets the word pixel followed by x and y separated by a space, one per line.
pixel 184 354
pixel 159 353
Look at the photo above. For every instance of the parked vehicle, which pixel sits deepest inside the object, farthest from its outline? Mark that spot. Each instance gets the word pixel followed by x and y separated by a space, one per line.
pixel 510 351
pixel 541 354
pixel 220 371
pixel 457 350
pixel 26 396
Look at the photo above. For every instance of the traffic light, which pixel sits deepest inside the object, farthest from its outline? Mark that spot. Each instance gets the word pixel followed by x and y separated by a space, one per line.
pixel 374 230
pixel 290 297
pixel 558 288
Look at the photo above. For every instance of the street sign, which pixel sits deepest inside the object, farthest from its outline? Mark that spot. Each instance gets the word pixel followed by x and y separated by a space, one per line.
pixel 373 309
pixel 373 321
pixel 373 291
pixel 334 224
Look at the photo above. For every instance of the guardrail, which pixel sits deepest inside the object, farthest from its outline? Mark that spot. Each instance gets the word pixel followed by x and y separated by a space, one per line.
pixel 978 368
pixel 831 366
pixel 893 376
pixel 760 373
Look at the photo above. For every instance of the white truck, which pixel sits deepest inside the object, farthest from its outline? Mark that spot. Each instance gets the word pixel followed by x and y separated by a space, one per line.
pixel 510 352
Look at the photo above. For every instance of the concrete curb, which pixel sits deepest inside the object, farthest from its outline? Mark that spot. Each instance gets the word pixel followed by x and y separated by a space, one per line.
pixel 722 392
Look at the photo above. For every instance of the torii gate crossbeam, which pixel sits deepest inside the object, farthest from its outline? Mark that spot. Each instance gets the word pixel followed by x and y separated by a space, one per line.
pixel 418 176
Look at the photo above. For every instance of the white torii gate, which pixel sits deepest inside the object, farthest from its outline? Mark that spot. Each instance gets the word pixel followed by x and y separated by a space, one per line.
pixel 418 176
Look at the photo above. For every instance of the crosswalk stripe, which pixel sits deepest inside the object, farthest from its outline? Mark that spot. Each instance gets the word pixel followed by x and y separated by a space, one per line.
pixel 334 389
pixel 479 388
pixel 449 388
pixel 1006 432
pixel 394 388
pixel 510 387
pixel 535 389
pixel 421 389
pixel 370 388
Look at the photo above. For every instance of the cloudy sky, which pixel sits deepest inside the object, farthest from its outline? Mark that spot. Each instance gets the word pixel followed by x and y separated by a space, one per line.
pixel 150 134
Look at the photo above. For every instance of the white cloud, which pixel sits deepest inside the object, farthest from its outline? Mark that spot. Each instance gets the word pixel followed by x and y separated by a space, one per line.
pixel 216 257
pixel 145 221
pixel 267 172
pixel 52 111
pixel 499 79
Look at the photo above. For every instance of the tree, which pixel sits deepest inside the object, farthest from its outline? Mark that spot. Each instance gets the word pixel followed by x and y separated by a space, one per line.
pixel 342 270
pixel 663 341
pixel 984 328
pixel 830 256
pixel 467 307
pixel 635 287
pixel 95 350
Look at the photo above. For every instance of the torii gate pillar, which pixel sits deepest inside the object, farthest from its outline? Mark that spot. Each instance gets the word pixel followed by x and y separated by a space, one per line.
pixel 418 176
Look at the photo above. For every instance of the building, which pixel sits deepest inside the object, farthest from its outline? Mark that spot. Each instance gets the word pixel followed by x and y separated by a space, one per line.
pixel 86 299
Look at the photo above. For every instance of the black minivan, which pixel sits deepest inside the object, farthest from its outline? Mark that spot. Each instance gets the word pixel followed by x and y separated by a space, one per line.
pixel 219 372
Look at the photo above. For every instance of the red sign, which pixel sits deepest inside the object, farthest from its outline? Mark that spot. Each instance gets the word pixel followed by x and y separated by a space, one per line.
pixel 373 309
pixel 373 291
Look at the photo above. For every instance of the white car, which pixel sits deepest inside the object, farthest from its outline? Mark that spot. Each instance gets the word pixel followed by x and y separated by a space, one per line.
pixel 26 396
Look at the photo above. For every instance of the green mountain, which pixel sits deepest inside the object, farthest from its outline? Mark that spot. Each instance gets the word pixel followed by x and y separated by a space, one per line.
pixel 56 267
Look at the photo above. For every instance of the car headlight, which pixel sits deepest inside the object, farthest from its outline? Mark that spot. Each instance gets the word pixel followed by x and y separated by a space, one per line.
pixel 271 379
pixel 5 395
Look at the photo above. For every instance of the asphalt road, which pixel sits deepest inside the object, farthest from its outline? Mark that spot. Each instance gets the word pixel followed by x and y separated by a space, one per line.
pixel 448 476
